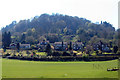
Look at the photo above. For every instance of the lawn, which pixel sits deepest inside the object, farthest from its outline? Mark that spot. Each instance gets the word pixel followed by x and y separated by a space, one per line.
pixel 38 69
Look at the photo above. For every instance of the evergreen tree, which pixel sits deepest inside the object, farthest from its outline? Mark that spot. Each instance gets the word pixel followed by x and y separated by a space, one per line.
pixel 48 50
pixel 62 43
pixel 18 47
pixel 9 39
pixel 23 38
pixel 115 49
pixel 6 39
pixel 70 47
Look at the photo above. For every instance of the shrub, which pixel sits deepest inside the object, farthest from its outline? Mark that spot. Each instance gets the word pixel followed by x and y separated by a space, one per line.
pixel 56 54
pixel 66 54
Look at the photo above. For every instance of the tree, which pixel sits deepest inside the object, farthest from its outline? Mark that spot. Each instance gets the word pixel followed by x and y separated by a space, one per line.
pixel 9 39
pixel 65 30
pixel 66 54
pixel 30 39
pixel 93 40
pixel 6 39
pixel 23 38
pixel 62 46
pixel 52 38
pixel 70 47
pixel 115 49
pixel 89 49
pixel 27 52
pixel 4 43
pixel 48 50
pixel 79 29
pixel 18 46
pixel 41 38
pixel 29 32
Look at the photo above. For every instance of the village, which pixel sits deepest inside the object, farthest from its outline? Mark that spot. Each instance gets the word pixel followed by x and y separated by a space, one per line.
pixel 46 50
pixel 63 46
pixel 60 39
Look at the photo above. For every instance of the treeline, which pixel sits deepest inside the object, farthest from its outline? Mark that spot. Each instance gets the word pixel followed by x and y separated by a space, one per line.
pixel 58 27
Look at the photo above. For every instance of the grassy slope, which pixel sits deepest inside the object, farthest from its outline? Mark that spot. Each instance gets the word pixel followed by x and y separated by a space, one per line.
pixel 34 69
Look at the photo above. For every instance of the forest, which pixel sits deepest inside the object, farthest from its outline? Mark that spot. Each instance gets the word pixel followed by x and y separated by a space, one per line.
pixel 58 27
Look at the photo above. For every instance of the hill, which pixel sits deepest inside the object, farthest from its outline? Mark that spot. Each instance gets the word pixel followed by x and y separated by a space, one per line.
pixel 58 27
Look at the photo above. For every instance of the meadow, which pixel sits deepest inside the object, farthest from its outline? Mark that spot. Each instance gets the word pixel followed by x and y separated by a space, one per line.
pixel 43 69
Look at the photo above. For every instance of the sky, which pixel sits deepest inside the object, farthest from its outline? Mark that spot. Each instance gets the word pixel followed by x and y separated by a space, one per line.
pixel 94 10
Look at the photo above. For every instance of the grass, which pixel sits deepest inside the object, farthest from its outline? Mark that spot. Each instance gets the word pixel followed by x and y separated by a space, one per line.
pixel 41 53
pixel 38 69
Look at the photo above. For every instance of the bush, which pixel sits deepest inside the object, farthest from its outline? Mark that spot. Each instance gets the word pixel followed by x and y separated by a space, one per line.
pixel 33 47
pixel 118 52
pixel 56 54
pixel 66 54
pixel 7 55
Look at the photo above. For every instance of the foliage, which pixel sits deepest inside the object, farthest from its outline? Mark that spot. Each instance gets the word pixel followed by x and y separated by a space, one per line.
pixel 70 47
pixel 115 49
pixel 18 46
pixel 48 50
pixel 33 47
pixel 6 40
pixel 66 54
pixel 66 27
pixel 57 54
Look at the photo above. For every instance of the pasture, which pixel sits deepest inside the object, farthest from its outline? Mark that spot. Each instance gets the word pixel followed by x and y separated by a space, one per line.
pixel 38 69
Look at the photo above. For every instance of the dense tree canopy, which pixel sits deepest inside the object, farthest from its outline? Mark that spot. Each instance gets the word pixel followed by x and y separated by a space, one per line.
pixel 59 27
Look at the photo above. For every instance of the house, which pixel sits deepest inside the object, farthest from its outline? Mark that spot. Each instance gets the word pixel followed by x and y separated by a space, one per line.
pixel 106 48
pixel 44 42
pixel 22 46
pixel 13 45
pixel 101 46
pixel 77 46
pixel 60 46
pixel 96 47
pixel 25 46
pixel 42 45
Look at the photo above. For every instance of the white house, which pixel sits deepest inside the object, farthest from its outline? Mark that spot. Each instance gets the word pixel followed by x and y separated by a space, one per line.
pixel 13 45
pixel 25 46
pixel 60 45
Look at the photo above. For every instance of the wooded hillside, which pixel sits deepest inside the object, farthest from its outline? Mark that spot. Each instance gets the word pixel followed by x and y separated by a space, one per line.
pixel 58 27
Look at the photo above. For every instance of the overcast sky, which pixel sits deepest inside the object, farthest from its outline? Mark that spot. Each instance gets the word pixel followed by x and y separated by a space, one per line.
pixel 94 10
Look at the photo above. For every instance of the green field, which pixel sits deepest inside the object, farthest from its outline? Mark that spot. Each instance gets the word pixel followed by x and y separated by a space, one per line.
pixel 38 69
